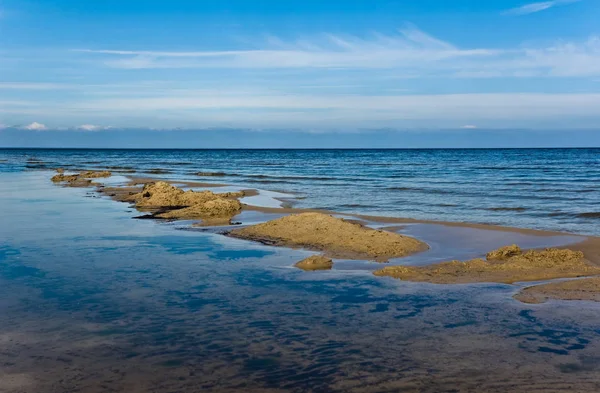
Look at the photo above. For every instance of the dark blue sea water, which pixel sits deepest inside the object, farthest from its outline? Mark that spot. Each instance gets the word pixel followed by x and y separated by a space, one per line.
pixel 554 189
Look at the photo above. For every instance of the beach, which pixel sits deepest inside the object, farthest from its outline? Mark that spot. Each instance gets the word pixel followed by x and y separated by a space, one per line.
pixel 181 301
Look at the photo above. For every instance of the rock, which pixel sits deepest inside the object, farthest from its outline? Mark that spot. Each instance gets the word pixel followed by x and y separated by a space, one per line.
pixel 316 262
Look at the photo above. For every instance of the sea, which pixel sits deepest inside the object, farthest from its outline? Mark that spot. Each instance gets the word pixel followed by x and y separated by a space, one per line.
pixel 550 189
pixel 93 300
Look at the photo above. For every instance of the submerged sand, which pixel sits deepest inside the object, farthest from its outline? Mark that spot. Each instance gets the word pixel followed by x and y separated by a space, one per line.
pixel 506 265
pixel 584 289
pixel 337 237
pixel 315 262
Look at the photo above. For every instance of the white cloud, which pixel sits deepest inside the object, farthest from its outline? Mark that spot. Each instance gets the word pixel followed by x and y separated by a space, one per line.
pixel 89 127
pixel 35 126
pixel 537 7
pixel 349 110
pixel 469 127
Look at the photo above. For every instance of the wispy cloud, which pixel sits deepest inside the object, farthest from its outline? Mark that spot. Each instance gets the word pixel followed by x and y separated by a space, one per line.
pixel 532 8
pixel 411 53
pixel 31 86
pixel 410 46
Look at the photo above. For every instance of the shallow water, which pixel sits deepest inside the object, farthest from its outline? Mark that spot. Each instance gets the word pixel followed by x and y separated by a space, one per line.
pixel 93 301
pixel 554 189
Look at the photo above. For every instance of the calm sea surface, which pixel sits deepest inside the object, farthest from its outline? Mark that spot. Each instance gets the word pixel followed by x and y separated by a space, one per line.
pixel 554 189
pixel 93 301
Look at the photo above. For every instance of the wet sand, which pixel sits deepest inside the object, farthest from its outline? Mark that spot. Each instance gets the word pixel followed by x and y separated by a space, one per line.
pixel 582 289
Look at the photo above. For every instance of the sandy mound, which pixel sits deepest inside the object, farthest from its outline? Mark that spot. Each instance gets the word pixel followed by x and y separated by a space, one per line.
pixel 187 204
pixel 219 207
pixel 584 289
pixel 506 265
pixel 316 262
pixel 335 236
pixel 162 194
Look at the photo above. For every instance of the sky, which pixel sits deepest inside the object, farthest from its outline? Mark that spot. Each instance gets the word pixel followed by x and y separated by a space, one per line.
pixel 464 67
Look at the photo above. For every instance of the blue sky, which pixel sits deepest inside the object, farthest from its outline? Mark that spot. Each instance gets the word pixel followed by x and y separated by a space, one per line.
pixel 307 65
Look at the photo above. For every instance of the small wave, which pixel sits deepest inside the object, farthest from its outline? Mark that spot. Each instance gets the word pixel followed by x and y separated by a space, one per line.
pixel 589 215
pixel 419 189
pixel 356 205
pixel 508 209
pixel 117 167
pixel 211 174
pixel 285 177
pixel 267 181
pixel 158 171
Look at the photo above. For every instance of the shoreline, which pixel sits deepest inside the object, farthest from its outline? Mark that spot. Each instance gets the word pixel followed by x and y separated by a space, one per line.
pixel 334 235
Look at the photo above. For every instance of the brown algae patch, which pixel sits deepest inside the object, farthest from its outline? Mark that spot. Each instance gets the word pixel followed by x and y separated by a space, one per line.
pixel 315 262
pixel 506 265
pixel 121 194
pixel 79 179
pixel 584 289
pixel 335 236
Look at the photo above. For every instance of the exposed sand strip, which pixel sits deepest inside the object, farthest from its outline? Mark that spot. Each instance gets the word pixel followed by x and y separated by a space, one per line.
pixel 336 237
pixel 506 265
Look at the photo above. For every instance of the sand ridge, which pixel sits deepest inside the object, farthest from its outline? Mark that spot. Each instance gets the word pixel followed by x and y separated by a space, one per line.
pixel 506 265
pixel 336 237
